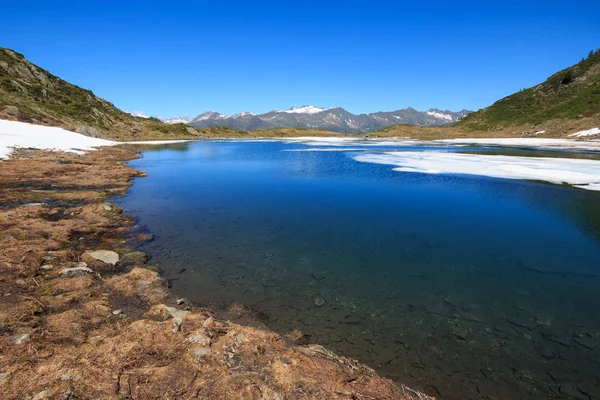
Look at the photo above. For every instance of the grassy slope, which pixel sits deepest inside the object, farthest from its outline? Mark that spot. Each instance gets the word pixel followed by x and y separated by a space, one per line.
pixel 567 102
pixel 43 98
pixel 569 94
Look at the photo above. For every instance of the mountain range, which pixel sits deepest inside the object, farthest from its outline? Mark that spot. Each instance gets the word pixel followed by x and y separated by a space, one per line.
pixel 332 119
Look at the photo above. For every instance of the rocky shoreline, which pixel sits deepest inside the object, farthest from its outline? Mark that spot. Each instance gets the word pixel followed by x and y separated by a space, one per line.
pixel 82 316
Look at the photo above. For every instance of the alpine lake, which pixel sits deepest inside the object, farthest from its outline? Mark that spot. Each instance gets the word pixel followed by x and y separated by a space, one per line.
pixel 461 286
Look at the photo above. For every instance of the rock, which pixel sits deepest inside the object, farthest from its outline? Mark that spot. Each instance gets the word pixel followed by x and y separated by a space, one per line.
pixel 49 258
pixel 21 338
pixel 47 267
pixel 107 207
pixel 571 392
pixel 199 339
pixel 202 352
pixel 134 258
pixel 4 376
pixel 41 395
pixel 319 276
pixel 180 301
pixel 11 110
pixel 178 316
pixel 9 213
pixel 590 388
pixel 319 302
pixel 521 323
pixel 69 272
pixel 106 256
pixel 117 312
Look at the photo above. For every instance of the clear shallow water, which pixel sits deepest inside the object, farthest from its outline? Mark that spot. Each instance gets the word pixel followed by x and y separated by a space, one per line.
pixel 461 286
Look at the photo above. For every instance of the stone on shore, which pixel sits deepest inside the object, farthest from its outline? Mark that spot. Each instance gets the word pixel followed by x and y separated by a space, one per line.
pixel 106 256
pixel 21 338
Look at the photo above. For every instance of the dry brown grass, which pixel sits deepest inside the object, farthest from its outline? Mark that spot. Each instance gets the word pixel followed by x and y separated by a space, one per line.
pixel 107 335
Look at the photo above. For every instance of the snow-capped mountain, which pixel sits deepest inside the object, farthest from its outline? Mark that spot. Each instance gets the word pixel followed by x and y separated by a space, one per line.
pixel 333 119
pixel 177 120
pixel 139 114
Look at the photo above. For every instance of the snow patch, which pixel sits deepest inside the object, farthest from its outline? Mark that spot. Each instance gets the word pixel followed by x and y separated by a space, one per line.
pixel 15 134
pixel 242 114
pixel 139 114
pixel 176 120
pixel 305 110
pixel 439 115
pixel 581 173
pixel 589 132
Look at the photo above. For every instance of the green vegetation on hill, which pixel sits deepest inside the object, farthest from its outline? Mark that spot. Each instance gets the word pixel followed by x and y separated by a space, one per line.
pixel 29 93
pixel 569 94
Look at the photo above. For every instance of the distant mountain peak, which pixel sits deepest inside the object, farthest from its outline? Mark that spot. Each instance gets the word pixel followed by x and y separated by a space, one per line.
pixel 334 119
pixel 307 109
pixel 139 114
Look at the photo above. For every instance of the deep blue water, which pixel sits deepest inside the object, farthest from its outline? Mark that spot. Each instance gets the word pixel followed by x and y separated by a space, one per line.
pixel 460 286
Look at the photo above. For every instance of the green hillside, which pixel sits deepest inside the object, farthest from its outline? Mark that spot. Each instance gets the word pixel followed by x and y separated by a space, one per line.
pixel 29 93
pixel 569 94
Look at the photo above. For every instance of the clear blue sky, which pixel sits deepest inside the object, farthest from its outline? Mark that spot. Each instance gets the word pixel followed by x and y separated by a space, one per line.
pixel 182 58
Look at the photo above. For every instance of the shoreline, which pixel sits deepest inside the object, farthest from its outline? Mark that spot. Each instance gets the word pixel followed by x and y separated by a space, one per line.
pixel 78 327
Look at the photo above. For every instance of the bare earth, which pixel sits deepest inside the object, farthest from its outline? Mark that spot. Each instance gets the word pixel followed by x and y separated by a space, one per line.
pixel 104 331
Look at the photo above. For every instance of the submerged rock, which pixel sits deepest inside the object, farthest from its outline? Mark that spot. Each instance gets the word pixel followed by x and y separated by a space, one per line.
pixel 106 256
pixel 134 258
pixel 319 302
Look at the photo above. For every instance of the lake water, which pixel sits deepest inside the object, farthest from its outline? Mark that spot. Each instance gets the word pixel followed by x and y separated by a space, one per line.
pixel 461 286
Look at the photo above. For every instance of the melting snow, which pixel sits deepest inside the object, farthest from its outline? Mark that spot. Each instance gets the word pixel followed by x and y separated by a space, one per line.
pixel 15 135
pixel 21 135
pixel 537 143
pixel 589 132
pixel 581 173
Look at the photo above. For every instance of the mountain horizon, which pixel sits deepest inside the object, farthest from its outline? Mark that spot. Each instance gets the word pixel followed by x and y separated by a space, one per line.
pixel 336 119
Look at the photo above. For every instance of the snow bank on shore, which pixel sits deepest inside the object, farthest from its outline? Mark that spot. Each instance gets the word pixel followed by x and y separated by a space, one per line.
pixel 581 173
pixel 589 132
pixel 15 134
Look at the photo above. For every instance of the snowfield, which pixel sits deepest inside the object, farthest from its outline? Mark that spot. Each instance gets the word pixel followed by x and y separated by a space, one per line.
pixel 21 135
pixel 14 135
pixel 584 174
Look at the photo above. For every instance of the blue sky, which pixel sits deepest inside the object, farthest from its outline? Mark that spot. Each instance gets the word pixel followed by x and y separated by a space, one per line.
pixel 183 58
